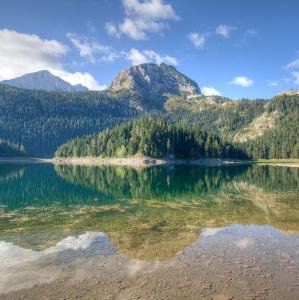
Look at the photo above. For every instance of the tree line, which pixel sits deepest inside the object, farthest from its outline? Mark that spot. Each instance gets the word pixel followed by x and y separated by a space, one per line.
pixel 283 140
pixel 153 137
pixel 41 120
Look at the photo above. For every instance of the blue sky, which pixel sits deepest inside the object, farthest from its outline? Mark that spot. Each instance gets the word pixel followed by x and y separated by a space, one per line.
pixel 237 48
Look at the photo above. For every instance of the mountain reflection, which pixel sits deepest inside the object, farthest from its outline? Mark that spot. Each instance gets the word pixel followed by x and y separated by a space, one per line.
pixel 147 213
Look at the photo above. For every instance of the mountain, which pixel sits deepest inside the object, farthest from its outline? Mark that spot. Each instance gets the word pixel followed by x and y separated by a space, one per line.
pixel 289 92
pixel 255 129
pixel 44 80
pixel 8 149
pixel 41 120
pixel 155 83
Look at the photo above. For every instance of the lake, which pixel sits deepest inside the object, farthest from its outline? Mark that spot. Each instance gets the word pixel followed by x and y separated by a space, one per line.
pixel 163 232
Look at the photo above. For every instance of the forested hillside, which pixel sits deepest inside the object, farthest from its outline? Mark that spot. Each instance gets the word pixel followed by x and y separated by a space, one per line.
pixel 203 133
pixel 267 129
pixel 42 120
pixel 283 140
pixel 152 137
pixel 9 149
pixel 216 114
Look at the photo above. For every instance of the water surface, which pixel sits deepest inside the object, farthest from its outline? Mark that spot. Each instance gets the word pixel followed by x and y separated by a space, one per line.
pixel 127 233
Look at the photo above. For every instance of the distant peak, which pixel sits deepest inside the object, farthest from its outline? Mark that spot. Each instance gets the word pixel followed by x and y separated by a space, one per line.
pixel 43 80
pixel 46 72
pixel 289 92
pixel 163 65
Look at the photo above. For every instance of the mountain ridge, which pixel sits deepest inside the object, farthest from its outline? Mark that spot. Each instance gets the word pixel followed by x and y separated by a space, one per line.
pixel 289 92
pixel 43 120
pixel 43 80
pixel 155 83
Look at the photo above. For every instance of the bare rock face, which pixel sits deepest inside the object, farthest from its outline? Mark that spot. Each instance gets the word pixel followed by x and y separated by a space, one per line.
pixel 289 92
pixel 153 81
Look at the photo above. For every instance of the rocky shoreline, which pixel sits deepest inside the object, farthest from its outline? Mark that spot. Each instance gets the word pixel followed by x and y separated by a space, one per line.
pixel 137 161
pixel 142 161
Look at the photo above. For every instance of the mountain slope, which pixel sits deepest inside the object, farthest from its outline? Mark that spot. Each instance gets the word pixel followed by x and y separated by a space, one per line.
pixel 42 120
pixel 258 127
pixel 289 92
pixel 182 135
pixel 152 137
pixel 43 80
pixel 262 129
pixel 154 83
pixel 281 139
pixel 8 149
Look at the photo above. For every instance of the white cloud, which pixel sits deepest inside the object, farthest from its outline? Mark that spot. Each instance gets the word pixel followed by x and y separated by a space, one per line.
pixel 224 30
pixel 158 59
pixel 242 81
pixel 142 18
pixel 137 57
pixel 112 29
pixel 136 29
pixel 198 40
pixel 22 261
pixel 210 91
pixel 293 64
pixel 150 9
pixel 92 50
pixel 296 75
pixel 85 79
pixel 207 232
pixel 272 83
pixel 25 53
pixel 22 53
pixel 244 243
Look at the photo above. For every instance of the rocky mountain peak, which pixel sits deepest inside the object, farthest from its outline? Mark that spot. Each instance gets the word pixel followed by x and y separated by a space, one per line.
pixel 44 80
pixel 289 92
pixel 150 81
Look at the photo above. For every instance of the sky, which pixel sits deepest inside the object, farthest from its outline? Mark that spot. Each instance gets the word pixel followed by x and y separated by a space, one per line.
pixel 234 48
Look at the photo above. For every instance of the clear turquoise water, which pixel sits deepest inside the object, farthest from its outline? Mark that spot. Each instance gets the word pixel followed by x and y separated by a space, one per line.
pixel 145 214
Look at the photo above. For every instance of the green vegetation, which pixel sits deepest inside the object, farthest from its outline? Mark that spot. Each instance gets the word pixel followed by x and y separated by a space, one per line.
pixel 283 140
pixel 42 121
pixel 223 116
pixel 147 213
pixel 182 181
pixel 152 137
pixel 210 135
pixel 9 149
pixel 228 118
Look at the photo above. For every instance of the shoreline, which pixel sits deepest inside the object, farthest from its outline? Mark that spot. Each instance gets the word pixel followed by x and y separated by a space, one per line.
pixel 145 161
pixel 25 160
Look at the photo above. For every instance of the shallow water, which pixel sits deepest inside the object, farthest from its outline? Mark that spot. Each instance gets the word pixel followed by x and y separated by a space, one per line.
pixel 184 232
